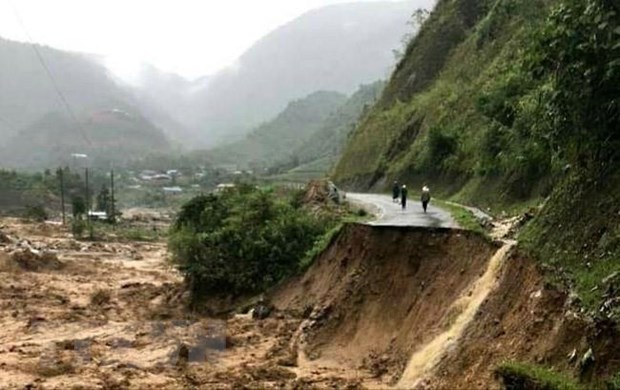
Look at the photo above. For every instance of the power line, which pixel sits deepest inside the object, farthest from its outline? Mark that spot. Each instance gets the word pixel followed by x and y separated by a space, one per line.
pixel 50 75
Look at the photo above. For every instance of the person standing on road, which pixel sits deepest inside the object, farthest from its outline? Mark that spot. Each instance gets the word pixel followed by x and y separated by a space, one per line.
pixel 403 197
pixel 395 192
pixel 426 197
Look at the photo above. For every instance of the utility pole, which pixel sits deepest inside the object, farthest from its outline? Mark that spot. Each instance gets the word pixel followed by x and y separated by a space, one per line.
pixel 113 216
pixel 88 221
pixel 62 193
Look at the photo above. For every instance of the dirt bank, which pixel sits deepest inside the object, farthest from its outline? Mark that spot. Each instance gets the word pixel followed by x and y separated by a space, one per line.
pixel 526 319
pixel 419 308
pixel 379 293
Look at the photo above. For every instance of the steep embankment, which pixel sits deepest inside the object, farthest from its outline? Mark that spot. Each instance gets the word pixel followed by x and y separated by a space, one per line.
pixel 384 291
pixel 438 307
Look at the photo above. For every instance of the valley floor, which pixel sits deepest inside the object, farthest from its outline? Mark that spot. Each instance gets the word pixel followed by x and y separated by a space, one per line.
pixel 112 315
pixel 381 307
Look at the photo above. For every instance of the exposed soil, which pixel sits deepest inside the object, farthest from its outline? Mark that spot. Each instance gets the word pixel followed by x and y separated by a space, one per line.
pixel 113 315
pixel 379 293
pixel 95 315
pixel 528 320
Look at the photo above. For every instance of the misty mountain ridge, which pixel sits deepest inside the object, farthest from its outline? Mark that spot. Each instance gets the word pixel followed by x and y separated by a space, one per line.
pixel 37 127
pixel 106 136
pixel 333 48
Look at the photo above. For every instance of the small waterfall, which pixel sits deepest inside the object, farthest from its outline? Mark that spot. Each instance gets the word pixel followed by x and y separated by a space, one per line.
pixel 426 358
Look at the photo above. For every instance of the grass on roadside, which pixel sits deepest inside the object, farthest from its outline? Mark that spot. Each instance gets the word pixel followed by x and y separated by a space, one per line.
pixel 319 246
pixel 530 376
pixel 354 215
pixel 465 218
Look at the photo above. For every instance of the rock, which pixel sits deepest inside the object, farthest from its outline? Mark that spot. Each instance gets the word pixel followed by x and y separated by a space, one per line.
pixel 5 239
pixel 587 359
pixel 571 356
pixel 261 311
pixel 321 313
pixel 307 311
pixel 33 260
pixel 180 356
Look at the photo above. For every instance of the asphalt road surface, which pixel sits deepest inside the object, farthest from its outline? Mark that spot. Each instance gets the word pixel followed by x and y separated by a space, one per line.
pixel 392 214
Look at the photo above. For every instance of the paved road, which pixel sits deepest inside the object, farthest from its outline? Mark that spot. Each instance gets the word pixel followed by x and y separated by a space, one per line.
pixel 391 214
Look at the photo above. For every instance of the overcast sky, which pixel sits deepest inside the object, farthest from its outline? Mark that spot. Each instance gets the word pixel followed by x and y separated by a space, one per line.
pixel 189 37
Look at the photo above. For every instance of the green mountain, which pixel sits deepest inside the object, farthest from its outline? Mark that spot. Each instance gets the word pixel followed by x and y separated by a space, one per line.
pixel 329 140
pixel 35 123
pixel 273 140
pixel 320 150
pixel 106 136
pixel 504 103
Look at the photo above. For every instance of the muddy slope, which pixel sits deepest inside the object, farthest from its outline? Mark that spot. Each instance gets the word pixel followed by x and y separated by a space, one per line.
pixel 378 293
pixel 526 319
pixel 382 304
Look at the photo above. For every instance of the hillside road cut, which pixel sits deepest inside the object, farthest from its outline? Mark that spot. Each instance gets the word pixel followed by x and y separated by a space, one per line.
pixel 391 214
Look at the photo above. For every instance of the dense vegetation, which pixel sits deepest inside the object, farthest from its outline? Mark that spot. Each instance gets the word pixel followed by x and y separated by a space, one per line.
pixel 329 140
pixel 504 103
pixel 282 135
pixel 519 375
pixel 242 241
pixel 22 193
pixel 577 55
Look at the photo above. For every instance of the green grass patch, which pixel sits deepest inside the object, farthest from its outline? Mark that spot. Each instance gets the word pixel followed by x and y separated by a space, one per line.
pixel 319 246
pixel 128 232
pixel 520 375
pixel 465 218
pixel 613 383
pixel 353 215
pixel 577 238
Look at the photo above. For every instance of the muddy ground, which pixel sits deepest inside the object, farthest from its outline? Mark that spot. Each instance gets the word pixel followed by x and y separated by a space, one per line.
pixel 112 315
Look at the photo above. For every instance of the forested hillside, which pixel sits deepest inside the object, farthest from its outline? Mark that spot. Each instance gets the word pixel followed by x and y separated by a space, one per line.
pixel 504 103
pixel 277 138
pixel 329 140
pixel 106 136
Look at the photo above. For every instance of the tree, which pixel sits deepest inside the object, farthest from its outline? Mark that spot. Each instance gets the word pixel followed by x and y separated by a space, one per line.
pixel 104 201
pixel 78 206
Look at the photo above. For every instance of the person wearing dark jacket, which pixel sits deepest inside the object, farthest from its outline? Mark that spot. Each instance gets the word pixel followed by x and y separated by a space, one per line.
pixel 403 197
pixel 426 197
pixel 395 192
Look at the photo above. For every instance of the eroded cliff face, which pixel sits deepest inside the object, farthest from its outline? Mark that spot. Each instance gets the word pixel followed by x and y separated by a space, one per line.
pixel 440 308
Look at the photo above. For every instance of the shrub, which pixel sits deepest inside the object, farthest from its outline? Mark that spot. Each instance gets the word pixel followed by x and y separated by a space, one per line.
pixel 77 228
pixel 36 213
pixel 441 145
pixel 242 241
